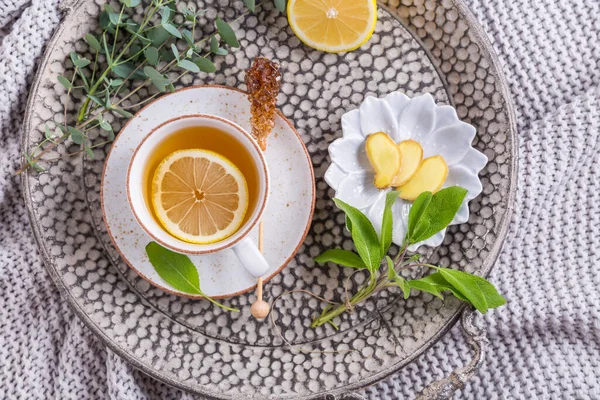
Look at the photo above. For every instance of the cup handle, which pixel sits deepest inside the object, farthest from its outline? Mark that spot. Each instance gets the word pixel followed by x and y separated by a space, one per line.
pixel 250 257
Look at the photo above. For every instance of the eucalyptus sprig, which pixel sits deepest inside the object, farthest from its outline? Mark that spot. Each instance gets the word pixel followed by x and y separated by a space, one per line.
pixel 131 53
pixel 429 214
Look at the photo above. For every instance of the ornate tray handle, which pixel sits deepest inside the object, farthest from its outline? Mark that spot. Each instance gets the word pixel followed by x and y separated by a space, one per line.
pixel 477 339
pixel 445 388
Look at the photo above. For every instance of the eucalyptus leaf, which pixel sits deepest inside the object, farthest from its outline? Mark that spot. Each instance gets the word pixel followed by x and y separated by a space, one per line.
pixel 122 112
pixel 151 54
pixel 76 135
pixel 477 290
pixel 387 222
pixel 158 36
pixel 205 64
pixel 97 100
pixel 364 235
pixel 281 5
pixel 226 33
pixel 64 81
pixel 104 20
pixel 158 79
pixel 105 125
pixel 131 3
pixel 175 51
pixel 165 13
pixel 124 70
pixel 190 66
pixel 171 29
pixel 214 44
pixel 112 15
pixel 89 151
pixel 115 82
pixel 187 36
pixel 251 4
pixel 345 258
pixel 47 134
pixel 176 269
pixel 30 162
pixel 93 42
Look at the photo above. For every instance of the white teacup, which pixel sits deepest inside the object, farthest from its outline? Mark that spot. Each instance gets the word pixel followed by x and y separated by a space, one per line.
pixel 243 246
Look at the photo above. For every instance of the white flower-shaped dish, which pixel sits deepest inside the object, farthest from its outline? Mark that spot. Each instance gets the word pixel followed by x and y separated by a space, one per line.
pixel 438 130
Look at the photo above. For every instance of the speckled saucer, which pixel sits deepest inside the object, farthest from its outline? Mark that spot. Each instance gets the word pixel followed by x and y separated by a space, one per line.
pixel 287 216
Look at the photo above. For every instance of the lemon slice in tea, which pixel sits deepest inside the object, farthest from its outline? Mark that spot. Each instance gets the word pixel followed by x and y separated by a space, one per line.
pixel 199 196
pixel 333 25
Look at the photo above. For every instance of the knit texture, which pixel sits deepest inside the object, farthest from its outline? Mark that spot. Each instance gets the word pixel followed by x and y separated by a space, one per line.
pixel 544 344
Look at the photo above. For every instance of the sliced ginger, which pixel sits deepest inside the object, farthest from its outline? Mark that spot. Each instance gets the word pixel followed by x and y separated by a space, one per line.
pixel 385 157
pixel 412 155
pixel 430 177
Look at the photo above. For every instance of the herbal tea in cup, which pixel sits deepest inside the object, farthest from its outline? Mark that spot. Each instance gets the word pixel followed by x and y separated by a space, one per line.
pixel 198 184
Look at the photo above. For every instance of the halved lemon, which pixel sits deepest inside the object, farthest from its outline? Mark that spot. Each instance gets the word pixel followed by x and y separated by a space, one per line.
pixel 333 25
pixel 199 196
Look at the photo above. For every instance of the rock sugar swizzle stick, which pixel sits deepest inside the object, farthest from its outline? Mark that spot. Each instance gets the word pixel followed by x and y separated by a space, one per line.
pixel 263 80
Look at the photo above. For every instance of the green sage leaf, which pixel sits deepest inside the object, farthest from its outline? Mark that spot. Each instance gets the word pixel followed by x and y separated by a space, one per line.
pixel 387 223
pixel 440 212
pixel 397 279
pixel 190 66
pixel 226 33
pixel 281 5
pixel 251 4
pixel 176 269
pixel 475 289
pixel 341 257
pixel 65 82
pixel 434 284
pixel 363 234
pixel 172 30
pixel 93 42
pixel 416 211
pixel 205 64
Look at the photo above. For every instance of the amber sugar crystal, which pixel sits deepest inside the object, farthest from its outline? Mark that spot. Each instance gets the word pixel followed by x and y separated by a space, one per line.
pixel 263 80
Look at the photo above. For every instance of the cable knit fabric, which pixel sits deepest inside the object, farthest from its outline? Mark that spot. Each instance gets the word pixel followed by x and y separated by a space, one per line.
pixel 544 344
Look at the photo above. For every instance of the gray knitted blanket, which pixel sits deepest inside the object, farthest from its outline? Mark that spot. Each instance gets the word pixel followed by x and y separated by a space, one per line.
pixel 545 344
